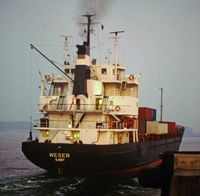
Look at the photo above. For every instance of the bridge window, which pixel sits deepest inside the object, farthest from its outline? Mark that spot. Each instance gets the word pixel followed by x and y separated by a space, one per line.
pixel 72 71
pixel 67 71
pixel 103 71
pixel 58 89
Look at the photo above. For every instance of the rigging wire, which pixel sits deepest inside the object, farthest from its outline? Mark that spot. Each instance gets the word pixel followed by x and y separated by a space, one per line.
pixel 103 43
pixel 36 64
pixel 38 69
pixel 53 46
pixel 33 47
pixel 99 45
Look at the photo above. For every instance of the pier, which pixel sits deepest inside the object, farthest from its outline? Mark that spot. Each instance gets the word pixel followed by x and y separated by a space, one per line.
pixel 177 175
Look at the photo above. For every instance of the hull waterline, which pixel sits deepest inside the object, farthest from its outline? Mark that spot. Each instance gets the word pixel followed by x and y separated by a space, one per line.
pixel 89 160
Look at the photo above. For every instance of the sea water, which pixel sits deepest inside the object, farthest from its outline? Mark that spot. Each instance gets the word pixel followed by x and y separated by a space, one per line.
pixel 20 177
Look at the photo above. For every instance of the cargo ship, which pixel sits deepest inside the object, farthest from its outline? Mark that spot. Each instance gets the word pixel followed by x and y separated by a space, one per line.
pixel 91 122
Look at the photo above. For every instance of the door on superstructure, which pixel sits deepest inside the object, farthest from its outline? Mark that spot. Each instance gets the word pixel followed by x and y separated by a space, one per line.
pixel 99 103
pixel 78 104
pixel 59 89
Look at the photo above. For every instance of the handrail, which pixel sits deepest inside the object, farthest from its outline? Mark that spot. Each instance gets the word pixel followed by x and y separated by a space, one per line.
pixel 81 107
pixel 57 123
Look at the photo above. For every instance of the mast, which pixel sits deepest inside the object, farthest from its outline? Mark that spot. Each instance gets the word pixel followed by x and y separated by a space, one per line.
pixel 161 104
pixel 82 68
pixel 66 42
pixel 89 22
pixel 116 38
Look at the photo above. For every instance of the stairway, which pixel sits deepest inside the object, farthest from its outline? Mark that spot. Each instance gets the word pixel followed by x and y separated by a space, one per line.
pixel 60 105
pixel 79 117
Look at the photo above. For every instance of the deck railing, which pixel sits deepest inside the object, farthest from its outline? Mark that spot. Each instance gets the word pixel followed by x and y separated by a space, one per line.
pixel 46 123
pixel 83 107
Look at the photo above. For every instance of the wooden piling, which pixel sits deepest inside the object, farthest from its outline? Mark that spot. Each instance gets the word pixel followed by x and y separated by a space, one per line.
pixel 186 178
pixel 177 175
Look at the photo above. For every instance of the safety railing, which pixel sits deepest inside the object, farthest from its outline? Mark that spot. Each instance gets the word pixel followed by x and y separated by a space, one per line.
pixel 83 107
pixel 117 125
pixel 57 123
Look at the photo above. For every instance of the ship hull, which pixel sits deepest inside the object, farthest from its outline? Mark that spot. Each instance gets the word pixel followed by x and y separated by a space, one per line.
pixel 90 160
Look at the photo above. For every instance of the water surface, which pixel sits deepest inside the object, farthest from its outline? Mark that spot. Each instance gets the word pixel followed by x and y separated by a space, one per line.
pixel 20 177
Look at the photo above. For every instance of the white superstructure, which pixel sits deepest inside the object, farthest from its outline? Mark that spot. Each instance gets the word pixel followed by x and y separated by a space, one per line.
pixel 99 105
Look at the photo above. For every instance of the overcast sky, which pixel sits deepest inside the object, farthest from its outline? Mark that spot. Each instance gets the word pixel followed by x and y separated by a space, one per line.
pixel 161 41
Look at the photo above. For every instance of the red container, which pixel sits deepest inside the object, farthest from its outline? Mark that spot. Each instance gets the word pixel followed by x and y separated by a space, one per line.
pixel 145 113
pixel 171 127
pixel 142 126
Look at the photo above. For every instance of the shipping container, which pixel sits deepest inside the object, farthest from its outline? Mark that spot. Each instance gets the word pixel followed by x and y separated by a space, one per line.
pixel 145 113
pixel 142 126
pixel 171 127
pixel 154 115
pixel 155 127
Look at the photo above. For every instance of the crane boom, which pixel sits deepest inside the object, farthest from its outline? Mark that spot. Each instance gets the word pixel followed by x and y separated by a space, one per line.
pixel 33 47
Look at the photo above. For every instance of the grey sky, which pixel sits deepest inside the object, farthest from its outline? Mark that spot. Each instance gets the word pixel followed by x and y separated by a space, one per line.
pixel 161 41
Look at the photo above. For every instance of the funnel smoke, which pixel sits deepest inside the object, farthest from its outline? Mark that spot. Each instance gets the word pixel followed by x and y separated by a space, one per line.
pixel 98 7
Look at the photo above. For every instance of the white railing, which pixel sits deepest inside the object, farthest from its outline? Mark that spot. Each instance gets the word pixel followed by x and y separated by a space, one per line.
pixel 56 123
pixel 83 107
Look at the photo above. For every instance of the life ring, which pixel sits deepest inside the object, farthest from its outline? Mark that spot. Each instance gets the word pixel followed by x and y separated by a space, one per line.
pixel 45 108
pixel 117 108
pixel 47 77
pixel 131 77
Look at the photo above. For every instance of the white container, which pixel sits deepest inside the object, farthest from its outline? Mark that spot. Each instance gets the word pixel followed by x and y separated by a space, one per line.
pixel 155 127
